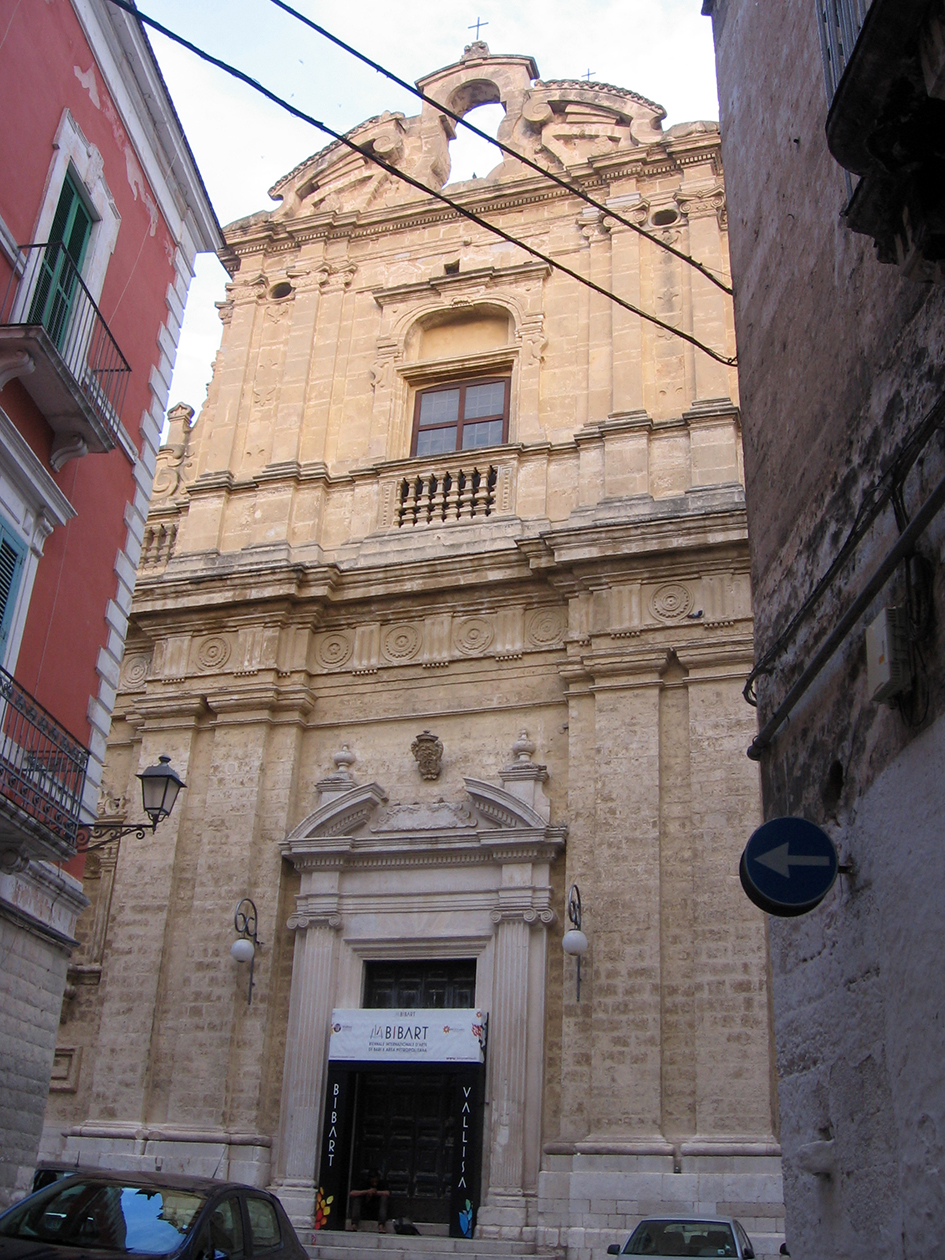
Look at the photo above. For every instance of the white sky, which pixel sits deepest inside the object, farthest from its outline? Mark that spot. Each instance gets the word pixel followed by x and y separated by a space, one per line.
pixel 243 144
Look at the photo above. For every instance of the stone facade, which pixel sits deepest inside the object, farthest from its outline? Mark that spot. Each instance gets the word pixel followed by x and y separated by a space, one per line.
pixel 841 353
pixel 416 697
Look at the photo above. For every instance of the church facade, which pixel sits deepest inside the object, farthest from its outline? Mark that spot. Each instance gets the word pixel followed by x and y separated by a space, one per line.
pixel 444 610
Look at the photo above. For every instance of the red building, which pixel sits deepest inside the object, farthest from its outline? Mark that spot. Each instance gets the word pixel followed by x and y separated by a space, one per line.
pixel 102 210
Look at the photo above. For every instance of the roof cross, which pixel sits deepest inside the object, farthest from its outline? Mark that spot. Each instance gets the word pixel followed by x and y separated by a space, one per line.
pixel 477 24
pixel 587 74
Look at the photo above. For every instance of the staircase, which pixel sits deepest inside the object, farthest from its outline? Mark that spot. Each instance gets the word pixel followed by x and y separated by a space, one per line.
pixel 337 1245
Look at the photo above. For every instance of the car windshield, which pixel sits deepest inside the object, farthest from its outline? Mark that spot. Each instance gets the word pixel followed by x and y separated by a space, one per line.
pixel 139 1220
pixel 681 1238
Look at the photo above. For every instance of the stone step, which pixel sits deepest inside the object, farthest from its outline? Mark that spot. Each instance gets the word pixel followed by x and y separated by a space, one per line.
pixel 338 1245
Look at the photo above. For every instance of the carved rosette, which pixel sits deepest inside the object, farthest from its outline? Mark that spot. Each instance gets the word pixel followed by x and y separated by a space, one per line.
pixel 474 635
pixel 213 653
pixel 401 642
pixel 671 601
pixel 546 627
pixel 334 650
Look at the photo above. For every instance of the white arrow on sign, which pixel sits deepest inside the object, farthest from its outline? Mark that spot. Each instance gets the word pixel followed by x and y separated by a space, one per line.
pixel 780 860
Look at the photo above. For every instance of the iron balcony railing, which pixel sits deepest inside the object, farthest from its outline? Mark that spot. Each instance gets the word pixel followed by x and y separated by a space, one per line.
pixel 46 290
pixel 42 768
pixel 840 24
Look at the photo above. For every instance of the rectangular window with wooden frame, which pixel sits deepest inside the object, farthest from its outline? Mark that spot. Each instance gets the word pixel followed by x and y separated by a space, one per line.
pixel 462 416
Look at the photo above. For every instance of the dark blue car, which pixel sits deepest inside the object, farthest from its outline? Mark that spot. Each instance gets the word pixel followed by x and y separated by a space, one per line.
pixel 100 1215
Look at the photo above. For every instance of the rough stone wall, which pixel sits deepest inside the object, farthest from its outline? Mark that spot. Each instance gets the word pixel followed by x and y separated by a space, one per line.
pixel 840 358
pixel 32 979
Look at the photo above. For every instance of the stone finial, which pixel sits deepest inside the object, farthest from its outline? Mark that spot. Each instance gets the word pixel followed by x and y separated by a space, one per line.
pixel 524 777
pixel 344 759
pixel 341 779
pixel 429 753
pixel 478 48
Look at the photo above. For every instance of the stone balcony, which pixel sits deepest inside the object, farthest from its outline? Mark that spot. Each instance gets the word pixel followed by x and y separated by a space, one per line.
pixel 53 337
pixel 470 498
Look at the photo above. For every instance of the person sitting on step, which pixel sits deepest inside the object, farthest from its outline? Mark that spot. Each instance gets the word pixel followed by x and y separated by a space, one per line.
pixel 372 1195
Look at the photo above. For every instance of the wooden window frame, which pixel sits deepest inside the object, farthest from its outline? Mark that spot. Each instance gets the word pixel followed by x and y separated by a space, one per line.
pixel 462 384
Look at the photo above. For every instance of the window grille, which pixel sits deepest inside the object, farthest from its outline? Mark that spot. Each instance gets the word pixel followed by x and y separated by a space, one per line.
pixel 840 23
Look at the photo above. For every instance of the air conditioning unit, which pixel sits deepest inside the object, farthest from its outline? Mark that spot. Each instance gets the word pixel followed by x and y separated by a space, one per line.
pixel 888 656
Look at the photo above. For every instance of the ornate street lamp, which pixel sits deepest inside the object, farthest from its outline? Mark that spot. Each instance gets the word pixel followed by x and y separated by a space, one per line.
pixel 160 785
pixel 574 941
pixel 244 947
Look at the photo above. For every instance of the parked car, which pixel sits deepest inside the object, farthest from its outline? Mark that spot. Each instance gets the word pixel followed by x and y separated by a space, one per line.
pixel 49 1171
pixel 98 1215
pixel 687 1236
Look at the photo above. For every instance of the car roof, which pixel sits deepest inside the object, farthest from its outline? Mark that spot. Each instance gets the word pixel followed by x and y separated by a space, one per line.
pixel 173 1181
pixel 687 1220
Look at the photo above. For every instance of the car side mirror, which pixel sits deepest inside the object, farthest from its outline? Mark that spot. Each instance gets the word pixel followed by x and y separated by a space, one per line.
pixel 748 1254
pixel 613 1249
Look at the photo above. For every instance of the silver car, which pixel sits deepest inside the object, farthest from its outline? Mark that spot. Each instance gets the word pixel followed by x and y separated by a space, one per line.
pixel 687 1236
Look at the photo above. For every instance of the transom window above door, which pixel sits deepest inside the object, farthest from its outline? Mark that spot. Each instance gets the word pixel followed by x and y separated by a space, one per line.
pixel 461 417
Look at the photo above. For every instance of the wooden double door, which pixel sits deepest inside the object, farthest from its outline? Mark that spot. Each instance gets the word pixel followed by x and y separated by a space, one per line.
pixel 404 1128
pixel 405 1120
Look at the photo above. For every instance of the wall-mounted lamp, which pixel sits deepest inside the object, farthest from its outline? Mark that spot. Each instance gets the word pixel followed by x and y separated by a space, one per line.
pixel 244 947
pixel 574 941
pixel 160 785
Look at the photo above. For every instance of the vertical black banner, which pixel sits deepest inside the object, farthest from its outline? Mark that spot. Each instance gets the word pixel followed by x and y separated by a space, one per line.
pixel 333 1166
pixel 467 1154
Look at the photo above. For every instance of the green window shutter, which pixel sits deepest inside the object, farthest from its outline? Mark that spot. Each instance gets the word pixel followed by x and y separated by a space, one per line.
pixel 12 558
pixel 71 229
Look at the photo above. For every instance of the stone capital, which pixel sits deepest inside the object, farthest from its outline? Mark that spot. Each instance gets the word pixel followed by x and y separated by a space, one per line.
pixel 300 922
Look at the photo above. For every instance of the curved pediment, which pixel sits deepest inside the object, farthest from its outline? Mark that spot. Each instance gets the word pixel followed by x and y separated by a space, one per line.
pixel 342 815
pixel 361 818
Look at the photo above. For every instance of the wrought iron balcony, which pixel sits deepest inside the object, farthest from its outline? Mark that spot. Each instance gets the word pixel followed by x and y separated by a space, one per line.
pixel 53 336
pixel 42 778
pixel 885 67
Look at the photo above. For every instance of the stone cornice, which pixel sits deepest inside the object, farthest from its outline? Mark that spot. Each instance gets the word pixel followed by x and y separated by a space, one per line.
pixel 273 235
pixel 343 856
pixel 460 282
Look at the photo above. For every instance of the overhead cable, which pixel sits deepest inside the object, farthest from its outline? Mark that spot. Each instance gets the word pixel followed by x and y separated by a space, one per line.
pixel 513 153
pixel 369 156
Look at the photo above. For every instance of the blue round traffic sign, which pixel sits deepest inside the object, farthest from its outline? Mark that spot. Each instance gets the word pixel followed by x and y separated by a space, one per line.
pixel 788 866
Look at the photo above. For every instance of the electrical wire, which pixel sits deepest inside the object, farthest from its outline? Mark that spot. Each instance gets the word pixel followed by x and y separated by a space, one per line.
pixel 369 156
pixel 519 157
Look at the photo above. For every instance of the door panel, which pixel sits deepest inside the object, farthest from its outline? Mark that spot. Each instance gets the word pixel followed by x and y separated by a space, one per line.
pixel 404 1129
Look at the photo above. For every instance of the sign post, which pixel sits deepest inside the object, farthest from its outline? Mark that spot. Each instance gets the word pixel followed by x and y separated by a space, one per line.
pixel 788 866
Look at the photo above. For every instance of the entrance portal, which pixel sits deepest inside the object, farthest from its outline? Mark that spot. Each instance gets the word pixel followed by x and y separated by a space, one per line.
pixel 405 1096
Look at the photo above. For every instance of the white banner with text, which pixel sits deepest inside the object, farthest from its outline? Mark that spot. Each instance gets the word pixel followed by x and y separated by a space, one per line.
pixel 426 1036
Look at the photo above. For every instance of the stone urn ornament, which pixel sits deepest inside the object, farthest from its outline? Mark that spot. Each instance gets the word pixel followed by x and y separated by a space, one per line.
pixel 429 753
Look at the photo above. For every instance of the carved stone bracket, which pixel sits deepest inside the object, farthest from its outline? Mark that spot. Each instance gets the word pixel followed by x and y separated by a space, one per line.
pixel 14 363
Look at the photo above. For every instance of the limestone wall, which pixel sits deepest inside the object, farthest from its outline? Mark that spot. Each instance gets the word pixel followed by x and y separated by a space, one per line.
pixel 307 583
